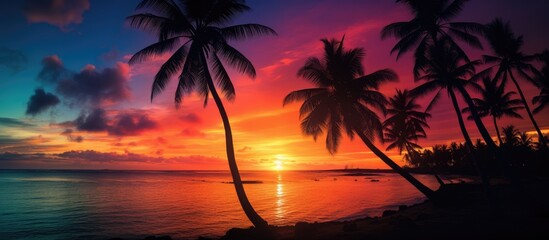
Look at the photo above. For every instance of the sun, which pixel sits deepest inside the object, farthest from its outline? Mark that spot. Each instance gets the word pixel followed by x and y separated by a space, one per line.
pixel 279 162
pixel 278 165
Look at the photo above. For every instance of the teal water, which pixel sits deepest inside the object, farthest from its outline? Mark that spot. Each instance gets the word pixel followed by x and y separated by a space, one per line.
pixel 183 204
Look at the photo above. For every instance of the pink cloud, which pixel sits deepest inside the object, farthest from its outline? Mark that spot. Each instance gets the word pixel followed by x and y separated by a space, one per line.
pixel 60 13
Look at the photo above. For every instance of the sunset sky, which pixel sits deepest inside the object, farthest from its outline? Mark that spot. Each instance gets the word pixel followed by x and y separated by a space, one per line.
pixel 68 98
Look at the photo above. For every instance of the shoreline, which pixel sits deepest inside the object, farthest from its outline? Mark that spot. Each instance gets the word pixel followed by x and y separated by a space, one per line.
pixel 512 213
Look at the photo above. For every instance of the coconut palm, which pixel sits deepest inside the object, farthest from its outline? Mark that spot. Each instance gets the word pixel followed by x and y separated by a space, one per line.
pixel 431 23
pixel 496 102
pixel 444 69
pixel 196 33
pixel 405 124
pixel 511 136
pixel 508 59
pixel 542 82
pixel 343 99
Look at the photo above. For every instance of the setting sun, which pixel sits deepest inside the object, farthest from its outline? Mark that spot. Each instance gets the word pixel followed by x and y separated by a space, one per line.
pixel 279 162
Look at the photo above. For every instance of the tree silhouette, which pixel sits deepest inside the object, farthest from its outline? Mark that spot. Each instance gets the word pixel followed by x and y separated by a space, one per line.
pixel 430 24
pixel 196 33
pixel 542 82
pixel 508 59
pixel 495 102
pixel 344 99
pixel 511 136
pixel 405 124
pixel 444 69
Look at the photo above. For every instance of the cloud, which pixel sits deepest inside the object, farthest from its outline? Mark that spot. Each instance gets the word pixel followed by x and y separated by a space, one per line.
pixel 53 70
pixel 60 13
pixel 12 59
pixel 72 138
pixel 12 122
pixel 244 149
pixel 191 132
pixel 29 144
pixel 89 88
pixel 94 121
pixel 97 88
pixel 191 118
pixel 129 124
pixel 40 102
pixel 122 124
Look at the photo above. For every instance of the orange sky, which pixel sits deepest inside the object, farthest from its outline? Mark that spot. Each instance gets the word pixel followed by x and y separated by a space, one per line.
pixel 265 133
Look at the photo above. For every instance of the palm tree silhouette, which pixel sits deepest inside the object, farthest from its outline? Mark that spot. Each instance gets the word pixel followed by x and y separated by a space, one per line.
pixel 511 136
pixel 542 82
pixel 495 102
pixel 508 59
pixel 430 24
pixel 443 68
pixel 344 99
pixel 196 33
pixel 405 125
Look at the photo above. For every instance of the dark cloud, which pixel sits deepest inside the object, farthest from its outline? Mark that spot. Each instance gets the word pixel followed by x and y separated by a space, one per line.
pixel 40 102
pixel 129 124
pixel 94 121
pixel 123 124
pixel 191 117
pixel 97 88
pixel 12 122
pixel 60 13
pixel 71 137
pixel 53 70
pixel 244 149
pixel 14 60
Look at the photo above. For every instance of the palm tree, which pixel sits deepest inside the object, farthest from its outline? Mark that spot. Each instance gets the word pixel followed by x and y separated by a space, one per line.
pixel 196 33
pixel 511 136
pixel 430 24
pixel 496 103
pixel 542 82
pixel 444 69
pixel 508 59
pixel 405 125
pixel 344 99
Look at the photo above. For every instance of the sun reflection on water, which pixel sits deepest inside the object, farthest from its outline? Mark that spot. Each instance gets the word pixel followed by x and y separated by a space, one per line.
pixel 279 198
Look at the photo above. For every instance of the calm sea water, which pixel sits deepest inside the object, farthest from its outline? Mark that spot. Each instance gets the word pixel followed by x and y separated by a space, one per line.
pixel 184 204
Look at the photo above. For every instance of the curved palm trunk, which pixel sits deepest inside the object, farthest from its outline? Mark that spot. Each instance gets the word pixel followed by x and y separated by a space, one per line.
pixel 541 139
pixel 250 212
pixel 481 128
pixel 497 130
pixel 420 186
pixel 468 143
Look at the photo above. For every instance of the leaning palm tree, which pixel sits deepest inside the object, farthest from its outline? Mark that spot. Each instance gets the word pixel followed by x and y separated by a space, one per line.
pixel 542 82
pixel 196 33
pixel 405 124
pixel 444 69
pixel 344 99
pixel 496 102
pixel 508 59
pixel 431 23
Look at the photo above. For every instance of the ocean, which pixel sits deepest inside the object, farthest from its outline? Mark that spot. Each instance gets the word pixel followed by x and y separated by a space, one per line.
pixel 59 204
